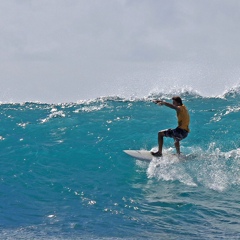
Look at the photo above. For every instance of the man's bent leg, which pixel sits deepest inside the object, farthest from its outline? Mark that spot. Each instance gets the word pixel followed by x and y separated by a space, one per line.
pixel 160 144
pixel 177 146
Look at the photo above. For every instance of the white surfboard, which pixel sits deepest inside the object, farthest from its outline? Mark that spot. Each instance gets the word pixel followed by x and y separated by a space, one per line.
pixel 140 154
pixel 145 155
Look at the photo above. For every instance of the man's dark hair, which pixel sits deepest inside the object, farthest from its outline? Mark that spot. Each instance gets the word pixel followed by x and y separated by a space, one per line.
pixel 178 100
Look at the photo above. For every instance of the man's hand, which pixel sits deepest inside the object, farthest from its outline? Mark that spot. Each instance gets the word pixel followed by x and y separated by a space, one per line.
pixel 158 102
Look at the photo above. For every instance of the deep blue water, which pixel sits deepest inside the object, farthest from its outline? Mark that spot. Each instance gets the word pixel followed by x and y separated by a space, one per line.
pixel 64 174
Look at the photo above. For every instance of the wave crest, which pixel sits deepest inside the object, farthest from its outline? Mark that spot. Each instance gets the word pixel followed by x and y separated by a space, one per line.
pixel 233 92
pixel 185 92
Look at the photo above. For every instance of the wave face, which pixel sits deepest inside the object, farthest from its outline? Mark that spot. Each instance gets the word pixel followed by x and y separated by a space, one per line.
pixel 64 174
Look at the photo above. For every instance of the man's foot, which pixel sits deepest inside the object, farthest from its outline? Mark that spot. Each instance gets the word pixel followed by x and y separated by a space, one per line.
pixel 156 154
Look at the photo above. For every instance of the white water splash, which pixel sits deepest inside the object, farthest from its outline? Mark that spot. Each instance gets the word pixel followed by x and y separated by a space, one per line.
pixel 57 114
pixel 213 168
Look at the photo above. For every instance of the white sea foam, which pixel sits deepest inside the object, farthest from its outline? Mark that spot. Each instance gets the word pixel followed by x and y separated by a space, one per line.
pixel 54 114
pixel 210 168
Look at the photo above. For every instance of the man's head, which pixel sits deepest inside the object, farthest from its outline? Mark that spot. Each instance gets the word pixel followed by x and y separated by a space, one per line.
pixel 177 100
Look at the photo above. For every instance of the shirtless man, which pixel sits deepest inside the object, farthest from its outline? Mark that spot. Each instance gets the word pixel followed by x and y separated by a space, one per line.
pixel 182 129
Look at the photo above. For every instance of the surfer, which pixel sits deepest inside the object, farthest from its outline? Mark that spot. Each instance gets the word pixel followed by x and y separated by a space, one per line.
pixel 182 129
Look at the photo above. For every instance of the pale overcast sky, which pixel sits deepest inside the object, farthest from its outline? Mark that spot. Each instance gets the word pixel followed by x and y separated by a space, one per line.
pixel 69 50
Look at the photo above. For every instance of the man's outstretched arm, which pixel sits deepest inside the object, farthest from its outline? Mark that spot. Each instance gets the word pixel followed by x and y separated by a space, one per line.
pixel 160 103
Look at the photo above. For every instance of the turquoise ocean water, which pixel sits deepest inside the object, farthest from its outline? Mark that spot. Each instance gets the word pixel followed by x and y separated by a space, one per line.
pixel 64 174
